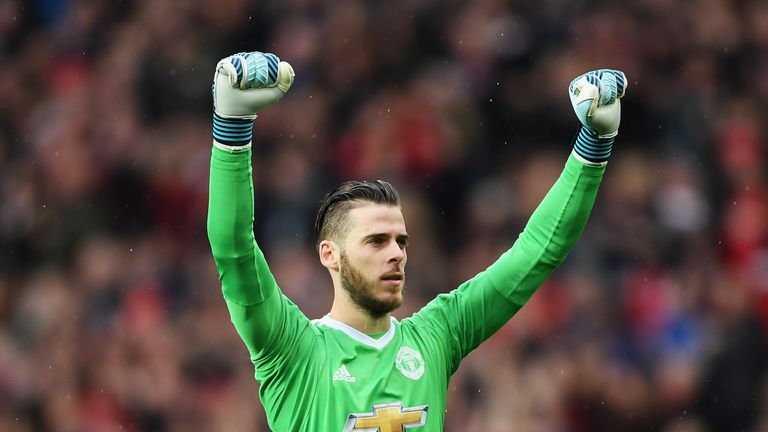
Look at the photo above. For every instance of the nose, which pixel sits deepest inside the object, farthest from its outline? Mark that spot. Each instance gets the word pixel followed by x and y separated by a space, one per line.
pixel 396 253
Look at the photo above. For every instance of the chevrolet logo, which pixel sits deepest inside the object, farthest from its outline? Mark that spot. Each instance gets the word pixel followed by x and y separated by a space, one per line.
pixel 389 417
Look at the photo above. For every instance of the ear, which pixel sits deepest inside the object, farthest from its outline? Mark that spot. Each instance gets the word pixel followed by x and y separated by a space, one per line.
pixel 330 254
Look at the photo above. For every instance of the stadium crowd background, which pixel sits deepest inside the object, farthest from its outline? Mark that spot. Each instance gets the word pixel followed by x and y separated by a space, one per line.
pixel 111 317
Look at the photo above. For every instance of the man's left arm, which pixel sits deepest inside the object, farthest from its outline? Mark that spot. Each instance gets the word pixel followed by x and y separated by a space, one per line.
pixel 559 220
pixel 479 307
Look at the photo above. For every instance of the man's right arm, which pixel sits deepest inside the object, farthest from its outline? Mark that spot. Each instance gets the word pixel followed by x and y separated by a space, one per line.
pixel 265 319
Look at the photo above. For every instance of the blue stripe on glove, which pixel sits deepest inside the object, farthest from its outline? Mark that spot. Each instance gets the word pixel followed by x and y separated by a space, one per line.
pixel 238 67
pixel 232 131
pixel 592 148
pixel 262 69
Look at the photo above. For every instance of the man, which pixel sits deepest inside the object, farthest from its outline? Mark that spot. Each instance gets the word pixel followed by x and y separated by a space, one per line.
pixel 358 368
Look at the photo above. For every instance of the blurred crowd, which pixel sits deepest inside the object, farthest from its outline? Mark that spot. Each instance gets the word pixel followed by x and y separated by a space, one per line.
pixel 111 316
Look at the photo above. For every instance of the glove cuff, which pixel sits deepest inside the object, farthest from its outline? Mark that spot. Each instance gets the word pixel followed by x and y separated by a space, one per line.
pixel 591 147
pixel 232 132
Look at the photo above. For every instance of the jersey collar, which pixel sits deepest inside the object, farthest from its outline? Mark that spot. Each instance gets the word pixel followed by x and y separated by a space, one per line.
pixel 358 335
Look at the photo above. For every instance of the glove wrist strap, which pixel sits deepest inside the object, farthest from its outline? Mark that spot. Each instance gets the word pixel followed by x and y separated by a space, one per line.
pixel 592 148
pixel 232 132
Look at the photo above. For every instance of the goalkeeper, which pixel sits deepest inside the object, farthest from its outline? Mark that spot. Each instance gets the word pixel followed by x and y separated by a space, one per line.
pixel 358 368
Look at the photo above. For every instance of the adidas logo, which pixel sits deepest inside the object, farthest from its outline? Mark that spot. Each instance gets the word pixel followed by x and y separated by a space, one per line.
pixel 342 374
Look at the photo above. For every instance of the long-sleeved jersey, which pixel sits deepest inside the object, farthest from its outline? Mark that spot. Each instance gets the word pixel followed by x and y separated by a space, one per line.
pixel 323 375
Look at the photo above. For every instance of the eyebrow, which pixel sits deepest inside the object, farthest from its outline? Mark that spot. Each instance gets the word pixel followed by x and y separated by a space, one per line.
pixel 400 238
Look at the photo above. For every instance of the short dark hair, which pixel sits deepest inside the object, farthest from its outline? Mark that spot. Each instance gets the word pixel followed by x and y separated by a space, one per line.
pixel 337 203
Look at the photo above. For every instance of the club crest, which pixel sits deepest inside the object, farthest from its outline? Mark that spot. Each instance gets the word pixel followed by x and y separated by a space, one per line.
pixel 410 363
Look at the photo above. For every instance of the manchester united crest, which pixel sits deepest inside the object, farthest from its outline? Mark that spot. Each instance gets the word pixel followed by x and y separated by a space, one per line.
pixel 410 363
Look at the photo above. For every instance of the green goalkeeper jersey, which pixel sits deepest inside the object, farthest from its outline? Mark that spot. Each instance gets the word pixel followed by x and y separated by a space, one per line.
pixel 324 376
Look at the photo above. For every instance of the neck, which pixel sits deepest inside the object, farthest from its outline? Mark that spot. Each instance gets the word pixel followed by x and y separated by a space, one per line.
pixel 358 319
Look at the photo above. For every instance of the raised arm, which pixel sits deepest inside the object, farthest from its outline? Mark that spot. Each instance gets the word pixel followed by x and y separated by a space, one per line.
pixel 479 307
pixel 267 322
pixel 559 220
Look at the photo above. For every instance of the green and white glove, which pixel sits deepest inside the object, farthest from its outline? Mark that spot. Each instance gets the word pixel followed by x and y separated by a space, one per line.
pixel 243 84
pixel 595 99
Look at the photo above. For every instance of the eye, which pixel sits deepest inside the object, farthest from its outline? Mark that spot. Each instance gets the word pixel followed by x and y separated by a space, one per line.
pixel 376 240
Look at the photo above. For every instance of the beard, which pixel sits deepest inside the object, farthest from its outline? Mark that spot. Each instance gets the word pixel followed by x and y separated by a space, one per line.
pixel 362 291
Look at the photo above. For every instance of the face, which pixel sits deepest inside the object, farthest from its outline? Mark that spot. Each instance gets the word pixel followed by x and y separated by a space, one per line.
pixel 373 258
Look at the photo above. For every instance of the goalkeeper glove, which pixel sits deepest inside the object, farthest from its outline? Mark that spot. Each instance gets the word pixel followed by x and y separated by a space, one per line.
pixel 595 99
pixel 243 84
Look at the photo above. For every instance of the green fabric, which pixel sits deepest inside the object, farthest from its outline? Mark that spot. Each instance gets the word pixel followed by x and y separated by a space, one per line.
pixel 325 376
pixel 376 335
